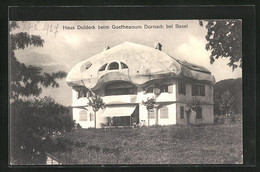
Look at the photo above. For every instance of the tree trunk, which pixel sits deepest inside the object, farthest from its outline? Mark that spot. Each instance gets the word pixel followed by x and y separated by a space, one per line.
pixel 156 116
pixel 148 118
pixel 95 121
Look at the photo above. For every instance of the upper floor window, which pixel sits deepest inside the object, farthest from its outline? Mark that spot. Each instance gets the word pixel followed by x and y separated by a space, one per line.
pixel 103 67
pixel 113 66
pixel 164 88
pixel 88 65
pixel 164 112
pixel 85 66
pixel 84 93
pixel 181 87
pixel 123 66
pixel 199 113
pixel 182 112
pixel 120 88
pixel 149 90
pixel 198 90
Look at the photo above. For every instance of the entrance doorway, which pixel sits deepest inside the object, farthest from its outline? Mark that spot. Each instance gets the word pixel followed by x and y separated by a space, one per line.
pixel 130 120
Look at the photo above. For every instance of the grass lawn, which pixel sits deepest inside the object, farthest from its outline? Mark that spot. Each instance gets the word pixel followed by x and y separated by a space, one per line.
pixel 202 144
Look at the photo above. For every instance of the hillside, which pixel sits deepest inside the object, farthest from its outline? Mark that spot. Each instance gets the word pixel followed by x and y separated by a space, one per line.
pixel 234 86
pixel 202 144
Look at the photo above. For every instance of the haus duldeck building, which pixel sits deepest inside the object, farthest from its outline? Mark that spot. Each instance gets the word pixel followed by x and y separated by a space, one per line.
pixel 127 74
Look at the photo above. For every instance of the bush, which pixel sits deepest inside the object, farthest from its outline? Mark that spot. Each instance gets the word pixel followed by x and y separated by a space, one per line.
pixel 30 121
pixel 228 119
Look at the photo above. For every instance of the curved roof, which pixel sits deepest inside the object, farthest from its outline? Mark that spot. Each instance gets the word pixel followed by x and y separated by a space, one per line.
pixel 144 64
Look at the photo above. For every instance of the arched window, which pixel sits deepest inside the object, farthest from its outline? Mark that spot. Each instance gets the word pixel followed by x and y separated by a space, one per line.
pixel 199 113
pixel 103 67
pixel 123 66
pixel 164 88
pixel 113 66
pixel 164 112
pixel 149 90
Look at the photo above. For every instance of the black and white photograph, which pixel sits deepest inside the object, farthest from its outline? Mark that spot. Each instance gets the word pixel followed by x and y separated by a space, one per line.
pixel 133 92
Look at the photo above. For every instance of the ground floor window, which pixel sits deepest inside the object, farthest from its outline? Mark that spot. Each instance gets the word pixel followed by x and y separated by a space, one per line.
pixel 182 112
pixel 164 112
pixel 151 113
pixel 91 116
pixel 83 115
pixel 199 113
pixel 119 121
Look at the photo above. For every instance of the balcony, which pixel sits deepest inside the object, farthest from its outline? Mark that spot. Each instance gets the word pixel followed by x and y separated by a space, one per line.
pixel 120 99
pixel 163 97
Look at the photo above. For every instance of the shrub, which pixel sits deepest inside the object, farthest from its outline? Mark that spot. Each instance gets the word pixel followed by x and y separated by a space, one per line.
pixel 227 119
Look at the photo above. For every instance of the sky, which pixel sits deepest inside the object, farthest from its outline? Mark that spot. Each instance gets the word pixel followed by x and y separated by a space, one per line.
pixel 64 46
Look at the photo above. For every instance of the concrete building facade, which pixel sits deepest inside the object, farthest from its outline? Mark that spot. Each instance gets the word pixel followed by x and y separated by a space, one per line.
pixel 128 74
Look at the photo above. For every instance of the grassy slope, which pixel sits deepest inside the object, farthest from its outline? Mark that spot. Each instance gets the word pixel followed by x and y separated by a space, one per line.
pixel 205 144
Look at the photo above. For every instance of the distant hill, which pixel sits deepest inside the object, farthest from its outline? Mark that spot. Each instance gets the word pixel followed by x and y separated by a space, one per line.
pixel 234 86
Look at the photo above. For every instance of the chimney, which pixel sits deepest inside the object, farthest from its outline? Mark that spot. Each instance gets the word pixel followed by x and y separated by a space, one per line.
pixel 158 46
pixel 106 48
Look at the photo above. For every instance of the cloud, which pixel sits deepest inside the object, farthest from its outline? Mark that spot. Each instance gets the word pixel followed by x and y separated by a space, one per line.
pixel 194 51
pixel 54 68
pixel 45 61
pixel 34 58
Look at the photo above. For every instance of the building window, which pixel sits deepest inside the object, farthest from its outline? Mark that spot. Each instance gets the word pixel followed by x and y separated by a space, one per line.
pixel 123 66
pixel 151 114
pixel 164 88
pixel 182 112
pixel 181 87
pixel 82 93
pixel 103 67
pixel 113 66
pixel 120 88
pixel 198 90
pixel 199 113
pixel 83 115
pixel 91 116
pixel 149 90
pixel 88 65
pixel 164 112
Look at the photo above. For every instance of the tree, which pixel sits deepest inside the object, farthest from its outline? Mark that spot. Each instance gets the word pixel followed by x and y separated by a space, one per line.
pixel 50 115
pixel 224 40
pixel 149 104
pixel 227 103
pixel 31 120
pixel 96 102
pixel 28 80
pixel 234 86
pixel 25 117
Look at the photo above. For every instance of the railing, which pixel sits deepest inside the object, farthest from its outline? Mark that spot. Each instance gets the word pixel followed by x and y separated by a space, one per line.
pixel 52 160
pixel 115 99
